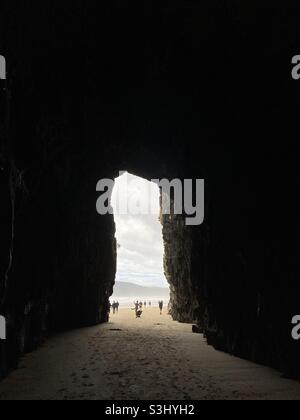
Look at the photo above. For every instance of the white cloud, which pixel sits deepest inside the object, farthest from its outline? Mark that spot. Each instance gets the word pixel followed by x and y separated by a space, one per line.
pixel 140 256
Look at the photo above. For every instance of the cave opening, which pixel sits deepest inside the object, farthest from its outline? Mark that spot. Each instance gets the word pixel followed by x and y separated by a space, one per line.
pixel 140 275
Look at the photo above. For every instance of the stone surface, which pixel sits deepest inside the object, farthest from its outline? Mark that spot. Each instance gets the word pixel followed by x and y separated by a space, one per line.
pixel 178 251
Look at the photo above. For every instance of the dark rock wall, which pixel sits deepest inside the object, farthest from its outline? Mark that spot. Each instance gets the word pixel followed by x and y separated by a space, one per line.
pixel 181 89
pixel 58 259
pixel 177 266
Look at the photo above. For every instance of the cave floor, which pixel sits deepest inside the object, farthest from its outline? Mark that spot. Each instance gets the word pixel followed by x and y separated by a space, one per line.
pixel 150 358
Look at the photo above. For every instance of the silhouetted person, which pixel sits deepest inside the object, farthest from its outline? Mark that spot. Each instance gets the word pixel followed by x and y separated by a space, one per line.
pixel 117 307
pixel 137 308
pixel 145 304
pixel 161 306
pixel 150 303
pixel 114 307
pixel 139 313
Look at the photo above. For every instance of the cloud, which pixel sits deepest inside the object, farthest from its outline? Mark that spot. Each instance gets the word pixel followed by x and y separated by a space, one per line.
pixel 140 256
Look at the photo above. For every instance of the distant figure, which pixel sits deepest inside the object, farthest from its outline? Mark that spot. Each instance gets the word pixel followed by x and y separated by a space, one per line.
pixel 141 305
pixel 108 310
pixel 161 306
pixel 114 307
pixel 139 313
pixel 138 310
pixel 150 303
pixel 145 304
pixel 117 307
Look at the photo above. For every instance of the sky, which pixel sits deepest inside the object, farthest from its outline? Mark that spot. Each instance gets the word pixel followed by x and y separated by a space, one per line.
pixel 141 250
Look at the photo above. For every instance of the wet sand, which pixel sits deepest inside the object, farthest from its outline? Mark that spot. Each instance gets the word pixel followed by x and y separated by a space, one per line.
pixel 150 358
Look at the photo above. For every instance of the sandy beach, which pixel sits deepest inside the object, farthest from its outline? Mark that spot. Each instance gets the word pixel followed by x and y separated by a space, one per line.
pixel 140 359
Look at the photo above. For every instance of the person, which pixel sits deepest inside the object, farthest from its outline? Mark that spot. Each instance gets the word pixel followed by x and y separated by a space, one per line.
pixel 117 307
pixel 150 303
pixel 138 313
pixel 161 306
pixel 141 305
pixel 114 307
pixel 145 304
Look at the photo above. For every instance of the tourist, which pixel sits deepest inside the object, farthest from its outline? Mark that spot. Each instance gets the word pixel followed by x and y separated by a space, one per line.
pixel 139 313
pixel 161 306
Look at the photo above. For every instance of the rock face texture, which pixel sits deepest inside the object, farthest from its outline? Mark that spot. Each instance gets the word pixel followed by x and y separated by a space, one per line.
pixel 177 263
pixel 77 108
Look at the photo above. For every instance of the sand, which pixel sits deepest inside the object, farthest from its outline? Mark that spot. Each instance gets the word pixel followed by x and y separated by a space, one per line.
pixel 150 358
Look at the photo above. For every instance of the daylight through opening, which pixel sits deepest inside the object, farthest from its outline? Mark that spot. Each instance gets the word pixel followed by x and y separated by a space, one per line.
pixel 140 262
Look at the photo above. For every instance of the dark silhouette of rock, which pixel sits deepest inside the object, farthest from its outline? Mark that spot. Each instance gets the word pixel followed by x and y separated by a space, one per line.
pixel 197 330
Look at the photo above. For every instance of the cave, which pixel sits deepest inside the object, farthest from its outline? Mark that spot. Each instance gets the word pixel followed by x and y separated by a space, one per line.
pixel 89 92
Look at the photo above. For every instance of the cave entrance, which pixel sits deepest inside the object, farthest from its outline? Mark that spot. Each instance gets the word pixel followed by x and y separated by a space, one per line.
pixel 140 268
